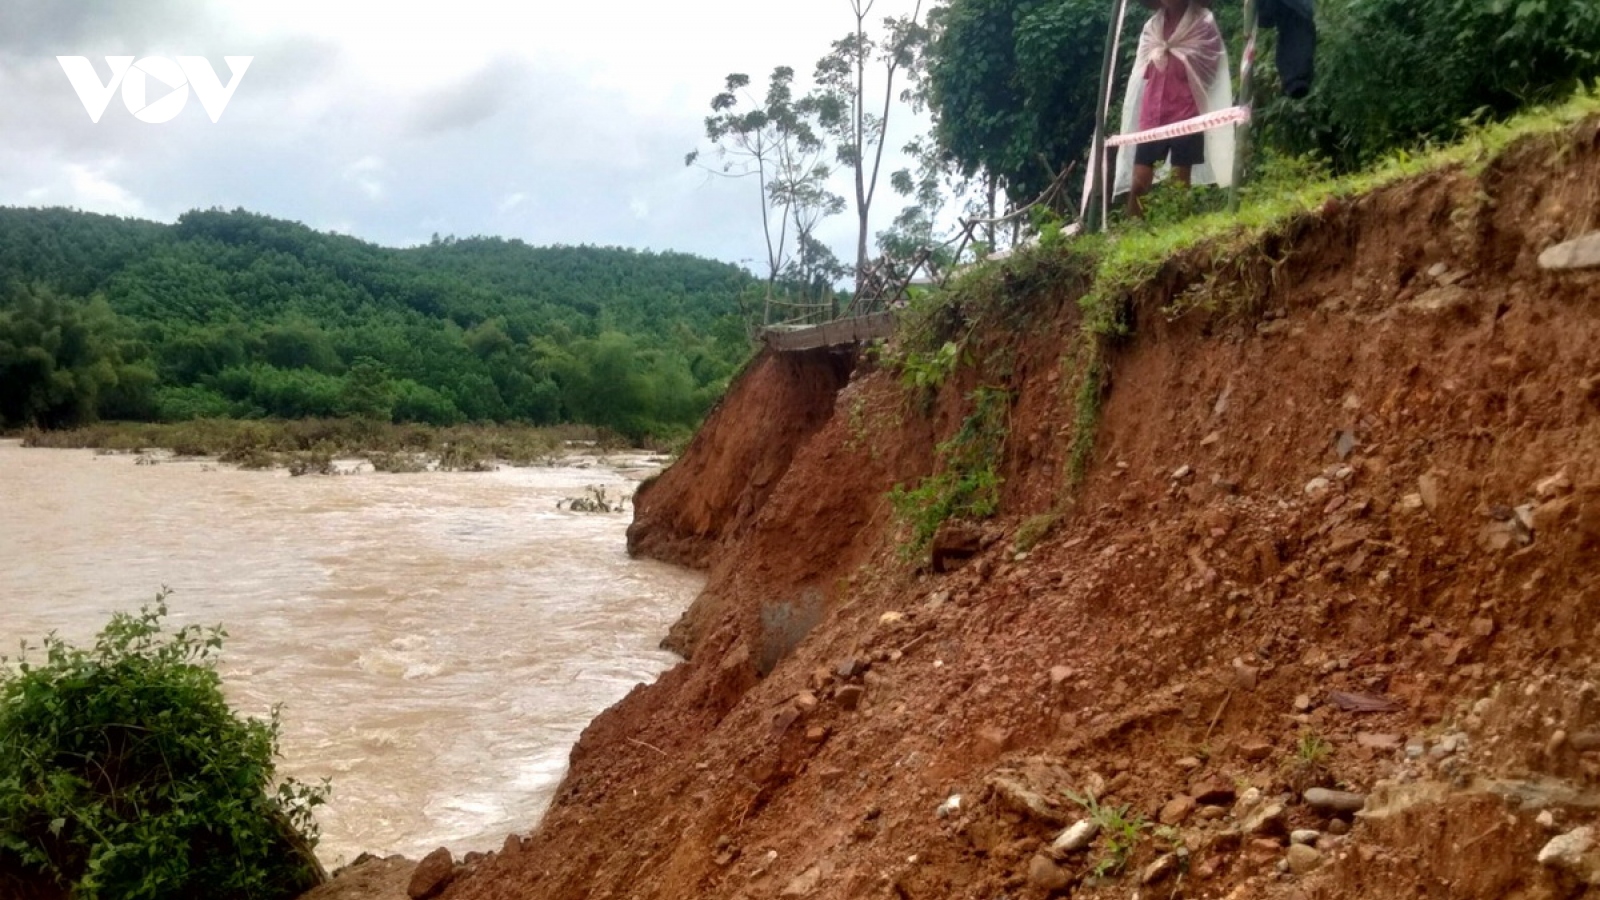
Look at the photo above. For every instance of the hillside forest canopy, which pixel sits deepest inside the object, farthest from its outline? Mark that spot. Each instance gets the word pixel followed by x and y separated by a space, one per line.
pixel 237 315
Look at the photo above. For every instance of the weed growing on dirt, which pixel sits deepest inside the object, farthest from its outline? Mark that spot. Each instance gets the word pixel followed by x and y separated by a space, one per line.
pixel 965 483
pixel 1086 415
pixel 1033 530
pixel 927 371
pixel 1312 751
pixel 123 773
pixel 1119 826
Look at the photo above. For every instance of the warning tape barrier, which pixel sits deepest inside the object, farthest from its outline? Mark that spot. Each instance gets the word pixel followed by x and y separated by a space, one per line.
pixel 1230 116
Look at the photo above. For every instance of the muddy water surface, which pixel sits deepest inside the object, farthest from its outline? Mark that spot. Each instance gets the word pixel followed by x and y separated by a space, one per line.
pixel 438 641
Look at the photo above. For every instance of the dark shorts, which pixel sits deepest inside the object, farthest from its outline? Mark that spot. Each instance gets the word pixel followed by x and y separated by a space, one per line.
pixel 1189 150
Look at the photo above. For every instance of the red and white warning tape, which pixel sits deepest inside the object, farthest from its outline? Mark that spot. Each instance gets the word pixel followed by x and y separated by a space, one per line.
pixel 1230 116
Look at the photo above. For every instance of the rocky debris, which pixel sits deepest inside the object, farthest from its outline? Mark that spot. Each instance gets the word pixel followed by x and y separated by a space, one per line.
pixel 1012 791
pixel 1307 836
pixel 1176 810
pixel 1255 751
pixel 1267 818
pixel 432 875
pixel 1045 874
pixel 1428 490
pixel 1584 741
pixel 1161 869
pixel 1075 837
pixel 1578 253
pixel 802 884
pixel 1355 702
pixel 1329 800
pixel 1452 743
pixel 954 544
pixel 849 696
pixel 1575 854
pixel 1383 742
pixel 1554 486
pixel 1303 859
pixel 993 741
pixel 950 806
pixel 1338 827
pixel 1212 792
pixel 805 703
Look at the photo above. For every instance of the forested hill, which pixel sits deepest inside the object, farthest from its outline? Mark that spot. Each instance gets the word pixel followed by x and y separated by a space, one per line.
pixel 238 314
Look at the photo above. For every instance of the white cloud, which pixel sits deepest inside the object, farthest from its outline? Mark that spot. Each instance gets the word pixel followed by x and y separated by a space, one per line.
pixel 92 188
pixel 446 117
pixel 366 174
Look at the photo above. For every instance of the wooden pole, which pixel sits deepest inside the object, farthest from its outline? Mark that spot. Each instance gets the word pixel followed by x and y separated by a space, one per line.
pixel 1094 220
pixel 1241 148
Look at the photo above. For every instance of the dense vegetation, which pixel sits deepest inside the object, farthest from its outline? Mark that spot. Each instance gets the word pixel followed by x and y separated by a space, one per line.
pixel 124 774
pixel 1012 82
pixel 232 314
pixel 1010 88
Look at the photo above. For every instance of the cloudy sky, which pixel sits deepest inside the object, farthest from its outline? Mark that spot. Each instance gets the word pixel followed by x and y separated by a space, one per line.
pixel 552 122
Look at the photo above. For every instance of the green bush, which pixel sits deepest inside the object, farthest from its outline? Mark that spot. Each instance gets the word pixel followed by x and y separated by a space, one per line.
pixel 1398 73
pixel 965 485
pixel 124 774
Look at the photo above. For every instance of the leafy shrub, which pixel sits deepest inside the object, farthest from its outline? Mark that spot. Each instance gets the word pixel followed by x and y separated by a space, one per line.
pixel 124 774
pixel 1395 73
pixel 966 485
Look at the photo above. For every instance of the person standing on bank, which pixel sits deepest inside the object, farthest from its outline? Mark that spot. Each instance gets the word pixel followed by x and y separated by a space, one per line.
pixel 1180 72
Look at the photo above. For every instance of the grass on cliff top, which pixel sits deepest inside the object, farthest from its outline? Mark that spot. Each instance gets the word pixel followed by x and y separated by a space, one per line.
pixel 1114 265
pixel 1131 257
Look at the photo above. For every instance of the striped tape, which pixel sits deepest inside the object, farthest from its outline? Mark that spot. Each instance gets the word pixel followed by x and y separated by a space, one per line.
pixel 1230 116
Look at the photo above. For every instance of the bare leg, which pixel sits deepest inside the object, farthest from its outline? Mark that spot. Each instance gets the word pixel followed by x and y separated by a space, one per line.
pixel 1182 173
pixel 1143 177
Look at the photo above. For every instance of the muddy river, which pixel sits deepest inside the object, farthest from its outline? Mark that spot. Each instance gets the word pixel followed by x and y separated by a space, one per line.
pixel 437 640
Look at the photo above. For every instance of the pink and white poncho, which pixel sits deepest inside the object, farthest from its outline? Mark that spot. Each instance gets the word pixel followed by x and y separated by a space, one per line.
pixel 1196 43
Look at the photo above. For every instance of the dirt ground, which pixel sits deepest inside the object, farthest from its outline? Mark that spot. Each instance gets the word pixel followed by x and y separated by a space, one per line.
pixel 1340 532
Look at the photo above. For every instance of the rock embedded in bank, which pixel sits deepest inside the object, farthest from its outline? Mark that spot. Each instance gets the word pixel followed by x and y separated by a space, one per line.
pixel 1303 859
pixel 1335 801
pixel 1043 873
pixel 1075 837
pixel 432 875
pixel 1578 253
pixel 1574 853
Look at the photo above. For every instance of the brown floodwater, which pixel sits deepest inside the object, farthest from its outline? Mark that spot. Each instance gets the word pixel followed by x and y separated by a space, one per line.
pixel 437 640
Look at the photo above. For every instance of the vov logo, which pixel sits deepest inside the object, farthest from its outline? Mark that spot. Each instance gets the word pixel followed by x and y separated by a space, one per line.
pixel 135 80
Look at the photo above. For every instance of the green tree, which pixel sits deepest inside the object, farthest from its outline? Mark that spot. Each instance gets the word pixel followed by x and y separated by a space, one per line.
pixel 1395 73
pixel 773 140
pixel 841 102
pixel 62 360
pixel 368 392
pixel 1012 86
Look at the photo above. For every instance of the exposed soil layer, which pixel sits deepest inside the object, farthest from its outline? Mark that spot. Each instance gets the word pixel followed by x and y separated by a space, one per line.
pixel 1340 529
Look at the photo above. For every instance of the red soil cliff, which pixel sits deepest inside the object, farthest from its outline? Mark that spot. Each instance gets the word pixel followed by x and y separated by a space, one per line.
pixel 1340 529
